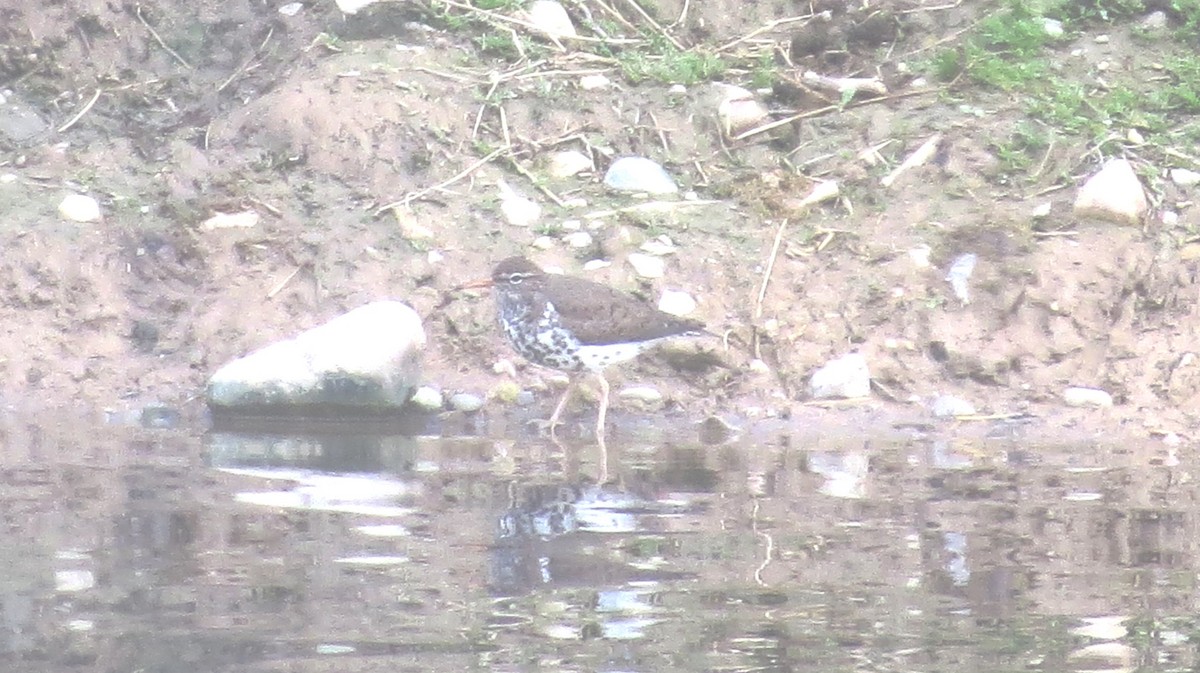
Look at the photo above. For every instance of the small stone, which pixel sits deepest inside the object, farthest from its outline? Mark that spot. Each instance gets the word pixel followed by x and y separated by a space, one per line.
pixel 639 174
pixel 572 225
pixel 568 163
pixel 845 377
pixel 676 302
pixel 593 82
pixel 543 243
pixel 1087 397
pixel 596 264
pixel 647 266
pixel 411 228
pixel 1053 27
pixel 578 239
pixel 1041 211
pixel 645 397
pixel 291 8
pixel 1114 193
pixel 243 220
pixel 960 273
pixel 8 178
pixel 759 367
pixel 1184 178
pixel 1102 39
pixel 948 406
pixel 1135 137
pixel 716 430
pixel 352 6
pixel 79 208
pixel 677 90
pixel 505 368
pixel 427 398
pixel 518 210
pixel 466 402
pixel 661 245
pixel 738 110
pixel 1169 217
pixel 1155 21
pixel 920 256
pixel 551 19
pixel 506 392
pixel 525 398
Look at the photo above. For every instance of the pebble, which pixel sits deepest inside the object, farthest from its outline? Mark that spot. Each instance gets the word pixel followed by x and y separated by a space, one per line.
pixel 291 8
pixel 506 392
pixel 1184 178
pixel 243 220
pixel 845 377
pixel 1053 27
pixel 466 402
pixel 960 273
pixel 646 397
pixel 716 430
pixel 505 368
pixel 647 266
pixel 661 245
pixel 677 90
pixel 1155 21
pixel 543 243
pixel 551 19
pixel 572 225
pixel 518 210
pixel 427 398
pixel 352 6
pixel 79 208
pixel 525 398
pixel 676 302
pixel 568 163
pixel 578 239
pixel 639 174
pixel 757 366
pixel 739 110
pixel 596 264
pixel 920 256
pixel 410 227
pixel 948 406
pixel 593 82
pixel 1114 193
pixel 1041 211
pixel 1087 397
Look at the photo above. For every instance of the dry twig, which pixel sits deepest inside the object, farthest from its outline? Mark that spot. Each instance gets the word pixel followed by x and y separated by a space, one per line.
pixel 411 196
pixel 78 115
pixel 159 39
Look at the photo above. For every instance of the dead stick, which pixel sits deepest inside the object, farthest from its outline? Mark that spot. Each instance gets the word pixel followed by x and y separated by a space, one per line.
pixel 670 38
pixel 762 290
pixel 83 111
pixel 830 108
pixel 408 198
pixel 160 40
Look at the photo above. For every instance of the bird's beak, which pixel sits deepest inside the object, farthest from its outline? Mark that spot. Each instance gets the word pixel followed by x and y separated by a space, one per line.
pixel 476 284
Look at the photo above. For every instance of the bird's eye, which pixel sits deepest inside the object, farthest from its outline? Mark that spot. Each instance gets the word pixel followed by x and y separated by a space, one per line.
pixel 516 280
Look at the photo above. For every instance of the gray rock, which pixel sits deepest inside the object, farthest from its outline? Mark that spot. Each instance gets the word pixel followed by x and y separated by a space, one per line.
pixel 427 398
pixel 845 377
pixel 645 398
pixel 525 398
pixel 1114 194
pixel 367 359
pixel 20 124
pixel 948 406
pixel 466 402
pixel 639 174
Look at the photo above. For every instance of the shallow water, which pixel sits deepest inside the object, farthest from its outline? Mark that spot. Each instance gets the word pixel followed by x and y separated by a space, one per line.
pixel 351 550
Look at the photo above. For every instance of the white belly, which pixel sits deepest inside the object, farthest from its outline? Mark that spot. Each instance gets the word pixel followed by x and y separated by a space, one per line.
pixel 596 358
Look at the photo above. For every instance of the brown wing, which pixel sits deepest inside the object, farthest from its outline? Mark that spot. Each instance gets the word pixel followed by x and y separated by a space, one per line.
pixel 599 315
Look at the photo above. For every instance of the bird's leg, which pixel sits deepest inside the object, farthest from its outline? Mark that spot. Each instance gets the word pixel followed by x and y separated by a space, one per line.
pixel 603 406
pixel 562 403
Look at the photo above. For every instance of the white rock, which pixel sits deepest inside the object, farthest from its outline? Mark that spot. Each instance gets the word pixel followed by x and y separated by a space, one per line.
pixel 505 368
pixel 551 19
pixel 543 243
pixel 739 110
pixel 1087 397
pixel 1114 194
pixel 1135 137
pixel 1184 178
pixel 946 406
pixel 466 402
pixel 568 163
pixel 1041 211
pixel 8 178
pixel 639 174
pixel 593 82
pixel 647 266
pixel 662 245
pixel 366 359
pixel 578 239
pixel 677 90
pixel 676 302
pixel 79 208
pixel 291 8
pixel 595 264
pixel 1155 21
pixel 757 366
pixel 959 275
pixel 572 225
pixel 920 256
pixel 1169 218
pixel 243 220
pixel 352 6
pixel 411 228
pixel 1053 27
pixel 518 210
pixel 427 398
pixel 845 377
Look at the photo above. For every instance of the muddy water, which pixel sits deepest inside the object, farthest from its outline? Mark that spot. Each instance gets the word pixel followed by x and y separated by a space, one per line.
pixel 351 550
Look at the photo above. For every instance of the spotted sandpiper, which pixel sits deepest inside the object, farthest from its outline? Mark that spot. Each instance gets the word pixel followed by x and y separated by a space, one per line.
pixel 575 325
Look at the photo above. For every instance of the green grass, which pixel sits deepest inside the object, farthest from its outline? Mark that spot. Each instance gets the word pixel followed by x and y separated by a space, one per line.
pixel 672 66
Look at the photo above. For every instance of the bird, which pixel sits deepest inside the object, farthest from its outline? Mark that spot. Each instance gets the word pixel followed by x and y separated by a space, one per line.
pixel 575 325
